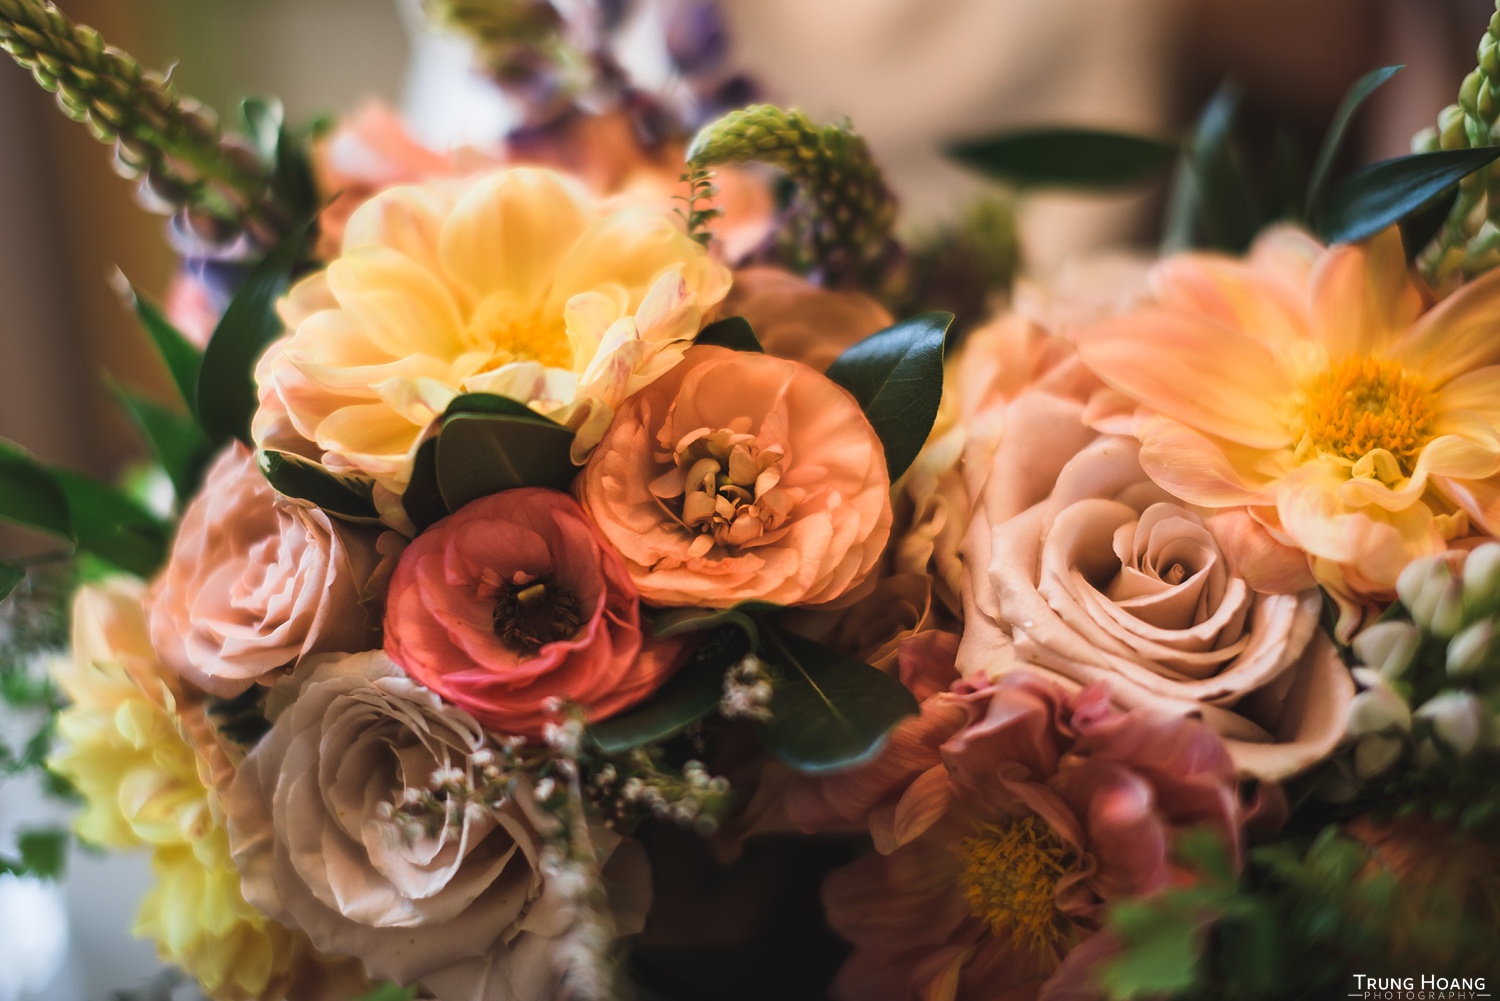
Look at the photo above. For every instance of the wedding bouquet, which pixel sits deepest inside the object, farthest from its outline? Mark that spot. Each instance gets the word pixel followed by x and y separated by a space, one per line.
pixel 618 564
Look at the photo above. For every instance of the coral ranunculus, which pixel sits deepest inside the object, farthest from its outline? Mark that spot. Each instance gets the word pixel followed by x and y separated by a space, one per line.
pixel 514 603
pixel 514 282
pixel 740 477
pixel 1006 818
pixel 1320 389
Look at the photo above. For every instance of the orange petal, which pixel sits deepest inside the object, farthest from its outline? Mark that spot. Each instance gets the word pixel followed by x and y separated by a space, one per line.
pixel 1207 376
pixel 1476 392
pixel 1198 469
pixel 1235 295
pixel 1456 336
pixel 1363 297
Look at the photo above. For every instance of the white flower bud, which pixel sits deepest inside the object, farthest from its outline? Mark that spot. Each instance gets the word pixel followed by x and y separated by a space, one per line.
pixel 1482 579
pixel 1457 718
pixel 1375 753
pixel 1387 647
pixel 1415 579
pixel 1378 709
pixel 1468 651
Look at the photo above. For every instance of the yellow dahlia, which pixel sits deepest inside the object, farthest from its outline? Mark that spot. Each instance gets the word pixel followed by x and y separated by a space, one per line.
pixel 129 751
pixel 514 282
pixel 1323 390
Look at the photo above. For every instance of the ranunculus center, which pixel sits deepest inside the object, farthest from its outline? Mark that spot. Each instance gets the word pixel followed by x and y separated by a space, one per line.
pixel 531 612
pixel 1010 874
pixel 1362 403
pixel 724 487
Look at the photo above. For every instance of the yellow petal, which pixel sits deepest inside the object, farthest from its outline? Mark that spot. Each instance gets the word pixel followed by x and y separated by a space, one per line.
pixel 1457 335
pixel 400 306
pixel 1476 392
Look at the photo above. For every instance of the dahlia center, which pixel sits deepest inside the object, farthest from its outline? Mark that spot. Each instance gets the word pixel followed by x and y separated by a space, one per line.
pixel 531 612
pixel 1361 404
pixel 724 487
pixel 1010 875
pixel 518 337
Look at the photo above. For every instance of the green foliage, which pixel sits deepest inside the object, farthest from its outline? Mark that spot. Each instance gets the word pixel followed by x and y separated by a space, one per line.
pixel 896 374
pixel 181 357
pixel 391 992
pixel 732 332
pixel 1384 193
pixel 41 853
pixel 176 441
pixel 1067 158
pixel 829 711
pixel 346 497
pixel 1338 130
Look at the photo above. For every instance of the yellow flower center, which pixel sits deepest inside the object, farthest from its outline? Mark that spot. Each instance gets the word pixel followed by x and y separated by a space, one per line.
pixel 1010 874
pixel 516 336
pixel 1361 404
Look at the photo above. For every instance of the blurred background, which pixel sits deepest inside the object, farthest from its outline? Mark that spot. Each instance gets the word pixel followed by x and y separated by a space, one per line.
pixel 911 74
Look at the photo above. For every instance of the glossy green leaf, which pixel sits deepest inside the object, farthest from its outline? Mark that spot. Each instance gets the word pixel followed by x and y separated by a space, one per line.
pixel 1420 227
pixel 264 119
pixel 732 332
pixel 1333 139
pixel 31 496
pixel 1384 193
pixel 687 697
pixel 342 496
pixel 677 621
pixel 1225 206
pixel 482 454
pixel 829 711
pixel 896 374
pixel 11 576
pixel 43 853
pixel 390 992
pixel 226 382
pixel 176 441
pixel 1284 190
pixel 111 525
pixel 182 358
pixel 423 501
pixel 1069 158
pixel 491 403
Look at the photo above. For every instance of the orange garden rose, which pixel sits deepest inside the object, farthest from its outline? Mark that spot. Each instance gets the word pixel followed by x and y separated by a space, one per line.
pixel 1322 390
pixel 740 477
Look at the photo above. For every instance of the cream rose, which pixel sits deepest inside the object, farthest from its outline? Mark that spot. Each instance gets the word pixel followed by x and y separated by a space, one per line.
pixel 462 907
pixel 1108 578
pixel 255 582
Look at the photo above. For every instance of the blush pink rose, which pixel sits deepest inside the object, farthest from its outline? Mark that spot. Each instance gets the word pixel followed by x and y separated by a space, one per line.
pixel 513 604
pixel 1006 818
pixel 793 318
pixel 739 477
pixel 256 582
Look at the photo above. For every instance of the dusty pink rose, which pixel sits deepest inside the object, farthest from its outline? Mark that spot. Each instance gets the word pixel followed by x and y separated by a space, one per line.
pixel 456 897
pixel 1078 564
pixel 256 582
pixel 1006 819
pixel 793 318
pixel 514 603
pixel 740 477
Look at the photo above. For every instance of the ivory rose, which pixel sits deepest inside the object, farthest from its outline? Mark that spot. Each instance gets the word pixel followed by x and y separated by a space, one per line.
pixel 255 582
pixel 739 477
pixel 1006 818
pixel 514 603
pixel 460 904
pixel 1107 578
pixel 515 282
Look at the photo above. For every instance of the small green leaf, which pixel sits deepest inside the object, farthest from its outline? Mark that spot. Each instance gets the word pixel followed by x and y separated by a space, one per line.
pixel 264 119
pixel 896 374
pixel 1333 140
pixel 43 853
pixel 181 356
pixel 1377 196
pixel 828 710
pixel 1160 950
pixel 342 496
pixel 176 441
pixel 1419 227
pixel 111 525
pixel 1068 158
pixel 481 454
pixel 423 501
pixel 31 496
pixel 11 577
pixel 1226 208
pixel 226 383
pixel 390 992
pixel 491 403
pixel 732 332
pixel 686 697
pixel 677 621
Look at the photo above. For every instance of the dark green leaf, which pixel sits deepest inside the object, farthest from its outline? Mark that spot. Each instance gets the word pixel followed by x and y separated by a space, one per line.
pixel 1333 140
pixel 1284 193
pixel 828 710
pixel 1384 193
pixel 1180 226
pixel 11 577
pixel 30 495
pixel 226 383
pixel 423 501
pixel 483 454
pixel 111 525
pixel 176 441
pixel 1226 208
pixel 687 697
pixel 1070 158
pixel 181 356
pixel 896 374
pixel 343 496
pixel 390 992
pixel 1160 950
pixel 1419 228
pixel 732 332
pixel 264 119
pixel 676 621
pixel 43 853
pixel 492 403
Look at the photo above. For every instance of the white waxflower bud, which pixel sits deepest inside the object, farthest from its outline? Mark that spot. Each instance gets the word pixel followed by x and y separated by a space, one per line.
pixel 1387 647
pixel 1457 719
pixel 1482 580
pixel 1415 577
pixel 1435 600
pixel 1378 709
pixel 1470 649
pixel 1376 753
